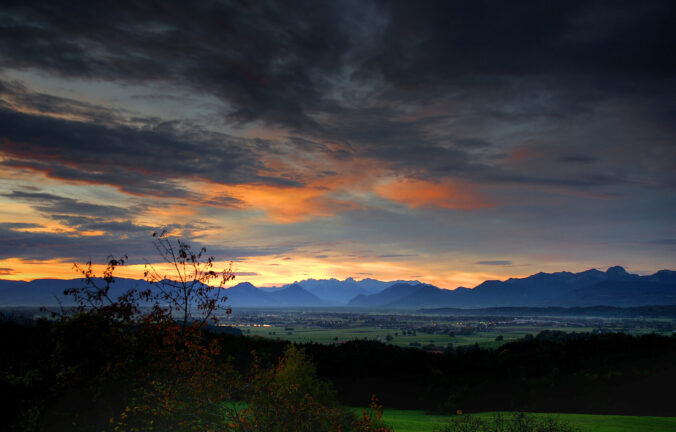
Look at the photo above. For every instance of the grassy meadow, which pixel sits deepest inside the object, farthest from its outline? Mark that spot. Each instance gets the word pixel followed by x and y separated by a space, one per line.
pixel 419 421
pixel 485 339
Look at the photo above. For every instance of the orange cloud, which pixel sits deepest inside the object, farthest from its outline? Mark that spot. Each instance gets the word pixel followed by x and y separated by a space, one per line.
pixel 320 196
pixel 422 193
pixel 285 204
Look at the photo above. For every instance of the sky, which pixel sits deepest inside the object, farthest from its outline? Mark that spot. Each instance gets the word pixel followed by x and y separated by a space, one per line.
pixel 445 141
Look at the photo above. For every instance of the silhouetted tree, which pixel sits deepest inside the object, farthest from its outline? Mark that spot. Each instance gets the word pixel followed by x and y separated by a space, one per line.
pixel 95 294
pixel 188 285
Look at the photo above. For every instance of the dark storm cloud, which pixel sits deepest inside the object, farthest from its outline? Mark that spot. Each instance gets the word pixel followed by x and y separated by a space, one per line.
pixel 578 159
pixel 101 224
pixel 348 72
pixel 57 205
pixel 142 161
pixel 247 54
pixel 581 181
pixel 118 234
pixel 15 94
pixel 45 245
pixel 608 40
pixel 273 60
pixel 42 245
pixel 114 221
pixel 471 143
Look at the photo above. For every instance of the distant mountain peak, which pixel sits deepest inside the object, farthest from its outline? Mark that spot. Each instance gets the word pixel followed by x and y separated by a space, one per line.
pixel 616 270
pixel 594 271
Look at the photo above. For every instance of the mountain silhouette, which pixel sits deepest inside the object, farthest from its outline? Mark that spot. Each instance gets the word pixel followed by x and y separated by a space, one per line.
pixel 245 295
pixel 386 296
pixel 339 293
pixel 296 295
pixel 613 287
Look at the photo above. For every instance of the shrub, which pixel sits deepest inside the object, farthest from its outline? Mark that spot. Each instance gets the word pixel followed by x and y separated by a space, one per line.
pixel 516 422
pixel 291 398
pixel 372 419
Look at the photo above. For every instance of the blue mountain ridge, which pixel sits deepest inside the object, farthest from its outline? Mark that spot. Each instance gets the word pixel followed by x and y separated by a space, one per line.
pixel 337 292
pixel 614 287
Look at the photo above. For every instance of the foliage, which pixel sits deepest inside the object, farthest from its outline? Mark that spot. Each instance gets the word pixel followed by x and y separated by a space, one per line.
pixel 185 386
pixel 516 422
pixel 176 380
pixel 371 419
pixel 291 398
pixel 169 375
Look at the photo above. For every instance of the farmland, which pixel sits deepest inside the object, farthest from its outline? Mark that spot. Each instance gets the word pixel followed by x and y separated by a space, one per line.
pixel 485 339
pixel 430 332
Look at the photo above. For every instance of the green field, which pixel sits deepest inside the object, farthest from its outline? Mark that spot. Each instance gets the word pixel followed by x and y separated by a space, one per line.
pixel 419 421
pixel 485 339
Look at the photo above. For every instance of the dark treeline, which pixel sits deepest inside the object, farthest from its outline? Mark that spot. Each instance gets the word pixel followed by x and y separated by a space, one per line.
pixel 612 373
pixel 552 372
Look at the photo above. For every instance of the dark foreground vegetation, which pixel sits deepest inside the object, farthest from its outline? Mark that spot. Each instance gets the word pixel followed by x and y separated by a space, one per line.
pixel 88 373
pixel 516 422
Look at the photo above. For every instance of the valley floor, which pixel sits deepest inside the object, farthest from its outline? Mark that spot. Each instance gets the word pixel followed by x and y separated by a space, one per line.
pixel 484 338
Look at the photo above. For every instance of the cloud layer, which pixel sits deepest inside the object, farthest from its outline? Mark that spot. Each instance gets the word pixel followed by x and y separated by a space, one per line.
pixel 413 130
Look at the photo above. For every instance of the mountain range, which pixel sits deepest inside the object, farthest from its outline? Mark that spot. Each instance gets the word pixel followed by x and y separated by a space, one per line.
pixel 338 292
pixel 614 287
